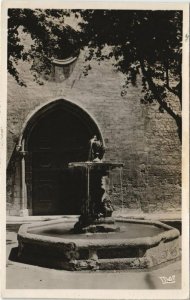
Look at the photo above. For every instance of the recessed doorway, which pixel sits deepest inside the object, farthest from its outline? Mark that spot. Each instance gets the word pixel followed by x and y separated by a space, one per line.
pixel 58 135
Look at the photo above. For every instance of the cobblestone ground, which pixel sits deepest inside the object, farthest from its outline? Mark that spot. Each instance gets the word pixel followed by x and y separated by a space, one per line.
pixel 23 276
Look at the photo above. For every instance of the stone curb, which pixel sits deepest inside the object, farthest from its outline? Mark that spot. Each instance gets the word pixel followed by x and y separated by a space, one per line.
pixel 158 217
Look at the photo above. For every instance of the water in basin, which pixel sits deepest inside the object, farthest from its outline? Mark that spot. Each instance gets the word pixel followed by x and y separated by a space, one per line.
pixel 127 231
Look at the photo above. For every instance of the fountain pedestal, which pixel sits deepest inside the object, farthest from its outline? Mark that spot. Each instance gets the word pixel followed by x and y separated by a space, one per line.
pixel 96 210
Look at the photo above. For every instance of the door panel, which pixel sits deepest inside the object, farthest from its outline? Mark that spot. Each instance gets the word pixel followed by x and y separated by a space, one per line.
pixel 55 141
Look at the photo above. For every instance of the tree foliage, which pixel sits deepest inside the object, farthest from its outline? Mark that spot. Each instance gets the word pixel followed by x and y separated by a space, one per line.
pixel 149 42
pixel 141 41
pixel 50 38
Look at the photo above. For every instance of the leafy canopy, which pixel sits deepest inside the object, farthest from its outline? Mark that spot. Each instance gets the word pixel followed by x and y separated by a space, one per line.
pixel 49 36
pixel 141 41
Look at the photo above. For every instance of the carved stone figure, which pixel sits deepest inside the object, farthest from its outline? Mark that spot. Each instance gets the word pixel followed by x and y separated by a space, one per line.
pixel 107 208
pixel 96 151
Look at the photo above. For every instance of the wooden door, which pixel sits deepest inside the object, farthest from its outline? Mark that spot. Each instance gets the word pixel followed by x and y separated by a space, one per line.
pixel 56 140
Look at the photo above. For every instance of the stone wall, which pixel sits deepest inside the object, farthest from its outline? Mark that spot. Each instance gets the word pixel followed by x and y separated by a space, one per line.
pixel 144 139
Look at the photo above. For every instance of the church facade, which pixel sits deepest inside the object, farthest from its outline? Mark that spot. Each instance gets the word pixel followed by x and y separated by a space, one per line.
pixel 50 125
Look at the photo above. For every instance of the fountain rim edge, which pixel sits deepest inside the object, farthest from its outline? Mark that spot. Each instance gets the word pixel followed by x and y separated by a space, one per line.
pixel 170 234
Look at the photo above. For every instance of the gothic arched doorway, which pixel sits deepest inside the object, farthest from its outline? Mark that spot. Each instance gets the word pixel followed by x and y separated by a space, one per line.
pixel 56 135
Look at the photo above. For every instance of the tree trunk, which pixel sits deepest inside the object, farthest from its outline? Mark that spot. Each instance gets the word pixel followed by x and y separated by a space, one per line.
pixel 158 97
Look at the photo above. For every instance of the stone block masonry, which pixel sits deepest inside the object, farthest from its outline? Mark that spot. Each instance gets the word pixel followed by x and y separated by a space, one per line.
pixel 138 135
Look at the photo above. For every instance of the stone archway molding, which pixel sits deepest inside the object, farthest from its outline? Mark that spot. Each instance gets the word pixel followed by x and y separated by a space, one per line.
pixel 64 62
pixel 40 109
pixel 27 127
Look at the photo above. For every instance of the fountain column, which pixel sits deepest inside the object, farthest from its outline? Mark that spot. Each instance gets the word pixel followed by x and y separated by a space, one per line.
pixel 96 211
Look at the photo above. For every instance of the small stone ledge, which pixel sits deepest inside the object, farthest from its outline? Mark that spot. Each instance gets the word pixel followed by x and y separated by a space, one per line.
pixel 161 216
pixel 35 219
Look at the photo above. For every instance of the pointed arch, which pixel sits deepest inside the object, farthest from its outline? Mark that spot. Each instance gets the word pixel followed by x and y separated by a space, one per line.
pixel 43 109
pixel 53 135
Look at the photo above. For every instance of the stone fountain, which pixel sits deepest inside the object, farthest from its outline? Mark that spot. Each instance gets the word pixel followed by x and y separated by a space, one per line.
pixel 97 241
pixel 96 210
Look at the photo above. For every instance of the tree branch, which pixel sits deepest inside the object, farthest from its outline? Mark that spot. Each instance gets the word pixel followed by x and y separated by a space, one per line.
pixel 158 97
pixel 176 91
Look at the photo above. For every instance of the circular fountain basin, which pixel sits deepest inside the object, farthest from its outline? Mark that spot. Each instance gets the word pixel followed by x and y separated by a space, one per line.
pixel 138 244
